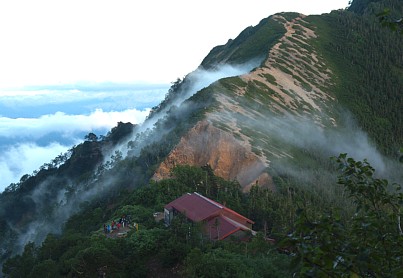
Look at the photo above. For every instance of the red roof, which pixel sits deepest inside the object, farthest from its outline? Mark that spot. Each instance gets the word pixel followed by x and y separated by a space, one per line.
pixel 219 227
pixel 197 208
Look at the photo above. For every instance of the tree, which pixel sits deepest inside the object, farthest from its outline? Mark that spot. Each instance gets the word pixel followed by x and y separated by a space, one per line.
pixel 91 137
pixel 393 24
pixel 46 269
pixel 21 265
pixel 369 244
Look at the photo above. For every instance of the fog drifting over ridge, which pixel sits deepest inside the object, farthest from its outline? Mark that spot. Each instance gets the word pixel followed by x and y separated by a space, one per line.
pixel 191 84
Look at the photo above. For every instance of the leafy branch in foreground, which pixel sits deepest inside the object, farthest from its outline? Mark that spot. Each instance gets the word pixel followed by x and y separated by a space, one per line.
pixel 369 244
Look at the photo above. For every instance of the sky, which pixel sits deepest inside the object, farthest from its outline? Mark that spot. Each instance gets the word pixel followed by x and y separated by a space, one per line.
pixel 68 68
pixel 53 42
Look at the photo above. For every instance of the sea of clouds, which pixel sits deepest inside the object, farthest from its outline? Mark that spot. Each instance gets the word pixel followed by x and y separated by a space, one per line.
pixel 39 123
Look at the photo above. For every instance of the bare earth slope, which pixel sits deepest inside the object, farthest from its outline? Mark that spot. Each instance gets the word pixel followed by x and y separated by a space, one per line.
pixel 291 81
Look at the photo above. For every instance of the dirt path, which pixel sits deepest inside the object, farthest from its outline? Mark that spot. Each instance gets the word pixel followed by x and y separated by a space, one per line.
pixel 301 67
pixel 118 233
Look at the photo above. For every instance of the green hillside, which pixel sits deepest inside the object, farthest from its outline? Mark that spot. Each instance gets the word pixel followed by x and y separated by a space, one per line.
pixel 252 43
pixel 368 65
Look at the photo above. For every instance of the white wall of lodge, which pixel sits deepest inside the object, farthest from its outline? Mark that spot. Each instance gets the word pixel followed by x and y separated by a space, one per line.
pixel 168 216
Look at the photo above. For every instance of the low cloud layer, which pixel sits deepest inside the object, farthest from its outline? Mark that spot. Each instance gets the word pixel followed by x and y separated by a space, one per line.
pixel 32 102
pixel 28 143
pixel 67 125
pixel 37 123
pixel 21 159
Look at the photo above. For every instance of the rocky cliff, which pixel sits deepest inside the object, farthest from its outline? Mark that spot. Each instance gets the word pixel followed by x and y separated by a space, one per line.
pixel 230 158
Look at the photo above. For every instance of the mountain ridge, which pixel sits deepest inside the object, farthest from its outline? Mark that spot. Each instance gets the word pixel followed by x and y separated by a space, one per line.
pixel 283 89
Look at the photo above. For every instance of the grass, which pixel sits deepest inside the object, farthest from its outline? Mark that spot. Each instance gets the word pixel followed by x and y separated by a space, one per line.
pixel 270 78
pixel 232 83
pixel 282 68
pixel 289 16
pixel 252 43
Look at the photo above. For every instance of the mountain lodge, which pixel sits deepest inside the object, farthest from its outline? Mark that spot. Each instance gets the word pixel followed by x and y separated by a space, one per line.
pixel 219 221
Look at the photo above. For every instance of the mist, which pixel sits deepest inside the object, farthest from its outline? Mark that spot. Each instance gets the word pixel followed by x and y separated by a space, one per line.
pixel 53 207
pixel 23 158
pixel 190 85
pixel 305 134
pixel 201 78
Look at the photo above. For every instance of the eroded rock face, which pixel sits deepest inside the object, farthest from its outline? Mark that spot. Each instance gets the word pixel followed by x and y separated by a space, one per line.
pixel 228 157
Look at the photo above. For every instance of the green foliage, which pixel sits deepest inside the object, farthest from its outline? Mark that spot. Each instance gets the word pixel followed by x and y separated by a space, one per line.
pixel 367 63
pixel 83 250
pixel 223 263
pixel 270 78
pixel 393 24
pixel 251 43
pixel 21 265
pixel 360 6
pixel 324 242
pixel 172 94
pixel 369 244
pixel 189 179
pixel 216 262
pixel 47 268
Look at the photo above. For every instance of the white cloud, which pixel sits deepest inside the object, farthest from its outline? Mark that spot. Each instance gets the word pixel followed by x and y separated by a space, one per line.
pixel 26 156
pixel 128 94
pixel 22 159
pixel 67 124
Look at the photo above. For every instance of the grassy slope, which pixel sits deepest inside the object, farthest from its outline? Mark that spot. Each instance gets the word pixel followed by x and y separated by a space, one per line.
pixel 251 43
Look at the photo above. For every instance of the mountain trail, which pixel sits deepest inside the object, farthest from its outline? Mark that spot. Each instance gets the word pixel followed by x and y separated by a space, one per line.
pixel 294 71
